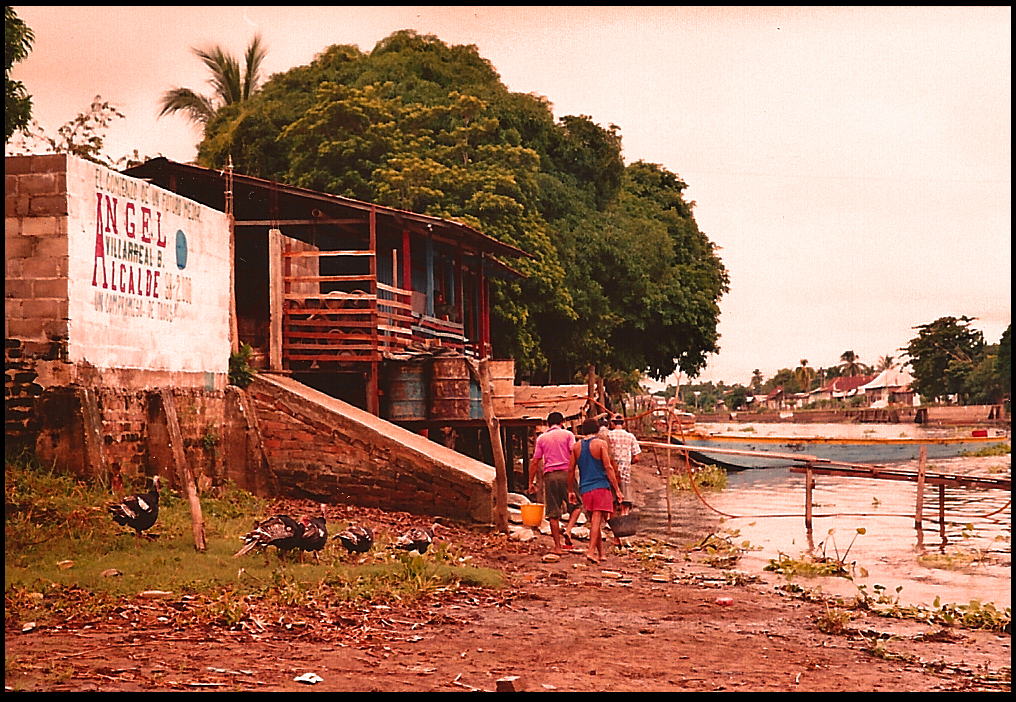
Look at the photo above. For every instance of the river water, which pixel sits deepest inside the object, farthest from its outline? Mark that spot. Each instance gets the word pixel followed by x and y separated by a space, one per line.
pixel 765 507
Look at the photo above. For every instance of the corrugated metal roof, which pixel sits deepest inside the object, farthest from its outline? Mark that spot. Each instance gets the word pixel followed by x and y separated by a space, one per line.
pixel 537 401
pixel 207 186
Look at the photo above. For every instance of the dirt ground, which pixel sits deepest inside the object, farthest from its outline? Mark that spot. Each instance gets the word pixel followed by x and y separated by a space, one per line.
pixel 560 625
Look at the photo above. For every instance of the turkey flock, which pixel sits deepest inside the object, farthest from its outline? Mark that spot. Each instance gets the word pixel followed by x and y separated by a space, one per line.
pixel 304 535
pixel 311 534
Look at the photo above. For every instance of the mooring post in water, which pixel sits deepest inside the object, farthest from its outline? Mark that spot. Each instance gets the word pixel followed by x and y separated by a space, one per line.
pixel 922 464
pixel 941 514
pixel 809 482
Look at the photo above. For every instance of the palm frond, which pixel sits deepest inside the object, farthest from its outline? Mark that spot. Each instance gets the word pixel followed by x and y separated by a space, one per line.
pixel 198 108
pixel 229 86
pixel 255 56
pixel 225 71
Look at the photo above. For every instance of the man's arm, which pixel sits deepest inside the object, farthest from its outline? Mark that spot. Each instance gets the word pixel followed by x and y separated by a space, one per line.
pixel 572 466
pixel 608 464
pixel 534 466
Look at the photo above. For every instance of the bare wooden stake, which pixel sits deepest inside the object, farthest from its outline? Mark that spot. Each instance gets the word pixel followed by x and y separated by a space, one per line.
pixel 941 514
pixel 922 466
pixel 184 473
pixel 482 375
pixel 809 483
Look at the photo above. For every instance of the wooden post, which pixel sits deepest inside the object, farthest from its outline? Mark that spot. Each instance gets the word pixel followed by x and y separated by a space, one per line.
pixel 234 335
pixel 509 440
pixel 373 396
pixel 591 390
pixel 482 375
pixel 276 298
pixel 941 514
pixel 94 453
pixel 670 451
pixel 922 465
pixel 808 484
pixel 184 474
pixel 526 456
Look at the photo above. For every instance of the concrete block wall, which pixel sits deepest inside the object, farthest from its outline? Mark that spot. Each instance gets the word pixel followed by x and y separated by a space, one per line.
pixel 36 249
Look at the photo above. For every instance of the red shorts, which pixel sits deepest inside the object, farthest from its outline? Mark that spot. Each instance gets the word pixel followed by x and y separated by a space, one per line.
pixel 599 500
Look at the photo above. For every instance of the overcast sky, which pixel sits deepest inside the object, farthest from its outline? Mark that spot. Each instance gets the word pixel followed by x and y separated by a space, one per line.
pixel 854 165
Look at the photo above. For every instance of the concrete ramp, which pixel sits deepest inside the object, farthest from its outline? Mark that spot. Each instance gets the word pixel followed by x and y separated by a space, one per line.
pixel 325 449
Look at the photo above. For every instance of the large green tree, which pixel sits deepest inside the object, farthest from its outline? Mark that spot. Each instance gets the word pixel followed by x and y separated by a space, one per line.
pixel 18 38
pixel 621 276
pixel 943 356
pixel 1003 363
pixel 231 83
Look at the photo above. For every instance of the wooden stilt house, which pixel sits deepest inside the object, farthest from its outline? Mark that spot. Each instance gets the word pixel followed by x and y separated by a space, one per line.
pixel 327 288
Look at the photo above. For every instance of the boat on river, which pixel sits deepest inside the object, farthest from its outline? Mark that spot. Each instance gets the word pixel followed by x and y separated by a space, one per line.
pixel 731 449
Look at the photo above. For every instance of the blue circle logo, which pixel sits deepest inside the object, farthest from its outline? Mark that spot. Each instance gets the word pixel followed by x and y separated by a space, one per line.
pixel 181 249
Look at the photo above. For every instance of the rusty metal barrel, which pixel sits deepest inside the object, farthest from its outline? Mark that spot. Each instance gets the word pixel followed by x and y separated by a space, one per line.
pixel 449 388
pixel 502 376
pixel 406 393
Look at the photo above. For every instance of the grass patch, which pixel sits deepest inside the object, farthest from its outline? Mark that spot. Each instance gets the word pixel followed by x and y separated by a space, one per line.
pixel 706 478
pixel 817 565
pixel 64 557
pixel 1000 449
pixel 973 615
pixel 719 549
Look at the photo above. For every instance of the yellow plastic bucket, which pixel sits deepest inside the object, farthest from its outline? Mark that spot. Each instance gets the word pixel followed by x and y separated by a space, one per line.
pixel 532 515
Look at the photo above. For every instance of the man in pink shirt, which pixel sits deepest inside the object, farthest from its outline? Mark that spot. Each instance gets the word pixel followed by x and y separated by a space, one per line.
pixel 553 448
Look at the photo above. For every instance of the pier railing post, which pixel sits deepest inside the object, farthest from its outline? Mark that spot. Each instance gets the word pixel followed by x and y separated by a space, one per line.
pixel 941 514
pixel 922 465
pixel 809 482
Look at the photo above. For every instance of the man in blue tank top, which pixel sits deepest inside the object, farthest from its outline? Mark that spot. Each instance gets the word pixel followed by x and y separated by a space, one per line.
pixel 597 478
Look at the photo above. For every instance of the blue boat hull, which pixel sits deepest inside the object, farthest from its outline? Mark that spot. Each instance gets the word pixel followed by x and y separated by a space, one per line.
pixel 798 450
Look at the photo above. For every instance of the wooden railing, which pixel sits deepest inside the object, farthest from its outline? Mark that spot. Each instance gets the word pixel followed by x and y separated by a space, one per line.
pixel 321 330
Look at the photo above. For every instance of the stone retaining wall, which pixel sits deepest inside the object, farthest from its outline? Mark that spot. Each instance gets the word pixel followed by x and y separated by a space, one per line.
pixel 324 449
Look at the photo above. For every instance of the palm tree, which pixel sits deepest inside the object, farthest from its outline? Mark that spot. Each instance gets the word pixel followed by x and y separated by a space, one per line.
pixel 230 85
pixel 805 375
pixel 757 379
pixel 885 363
pixel 850 364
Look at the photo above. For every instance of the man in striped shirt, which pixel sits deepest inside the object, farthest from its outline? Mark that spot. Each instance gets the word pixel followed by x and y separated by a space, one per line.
pixel 624 449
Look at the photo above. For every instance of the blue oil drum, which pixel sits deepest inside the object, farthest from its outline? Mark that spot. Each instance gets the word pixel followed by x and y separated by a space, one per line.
pixel 475 400
pixel 407 392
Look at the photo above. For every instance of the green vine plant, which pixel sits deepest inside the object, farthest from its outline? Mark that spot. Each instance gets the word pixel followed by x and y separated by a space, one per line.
pixel 241 372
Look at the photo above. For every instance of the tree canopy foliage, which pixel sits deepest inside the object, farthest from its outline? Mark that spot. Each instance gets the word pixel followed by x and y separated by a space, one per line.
pixel 950 357
pixel 621 275
pixel 18 38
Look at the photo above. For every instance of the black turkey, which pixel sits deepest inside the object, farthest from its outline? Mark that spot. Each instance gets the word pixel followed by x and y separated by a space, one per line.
pixel 416 539
pixel 356 539
pixel 138 512
pixel 315 534
pixel 281 531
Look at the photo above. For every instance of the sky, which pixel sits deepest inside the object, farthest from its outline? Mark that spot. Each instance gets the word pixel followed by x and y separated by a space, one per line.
pixel 853 165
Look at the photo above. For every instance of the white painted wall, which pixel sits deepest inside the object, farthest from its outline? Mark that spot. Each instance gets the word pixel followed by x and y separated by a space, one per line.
pixel 148 275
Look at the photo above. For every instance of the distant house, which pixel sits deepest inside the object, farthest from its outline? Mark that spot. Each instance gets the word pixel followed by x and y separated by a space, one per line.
pixel 842 388
pixel 891 387
pixel 775 400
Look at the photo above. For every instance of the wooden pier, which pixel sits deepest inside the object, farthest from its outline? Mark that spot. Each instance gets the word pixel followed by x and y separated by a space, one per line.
pixel 813 465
